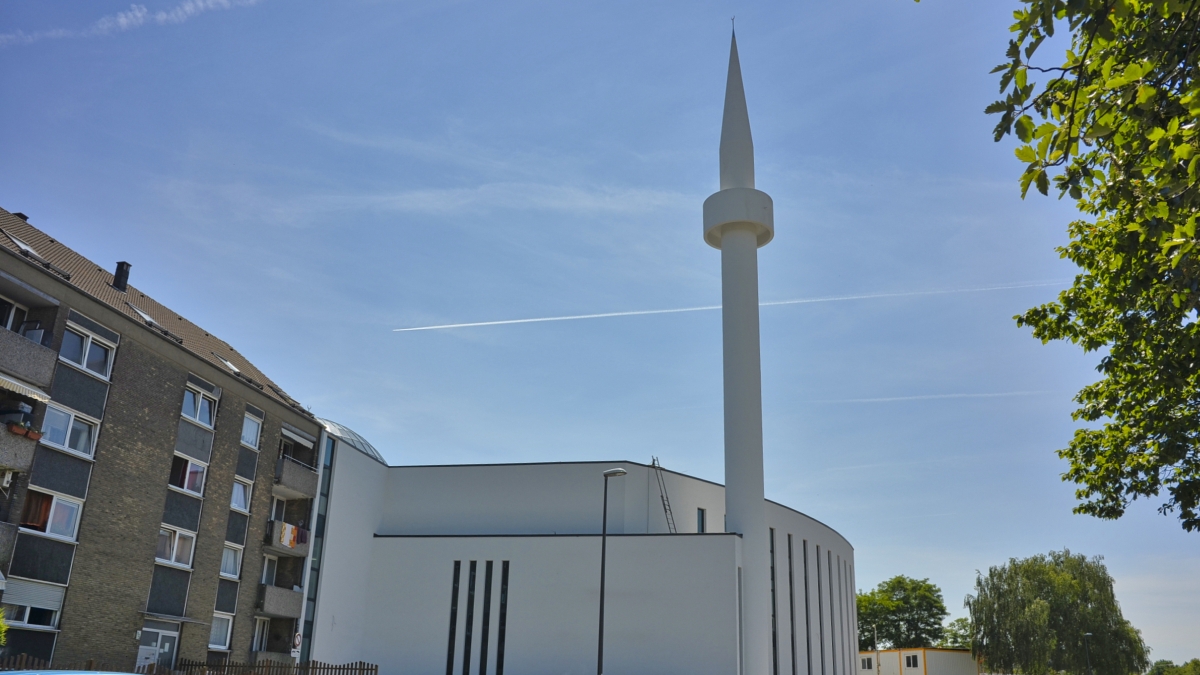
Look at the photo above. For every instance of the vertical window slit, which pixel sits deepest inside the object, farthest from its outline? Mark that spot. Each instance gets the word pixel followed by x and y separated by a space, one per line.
pixel 820 612
pixel 792 601
pixel 842 623
pixel 807 612
pixel 487 615
pixel 774 610
pixel 453 618
pixel 503 618
pixel 466 670
pixel 832 611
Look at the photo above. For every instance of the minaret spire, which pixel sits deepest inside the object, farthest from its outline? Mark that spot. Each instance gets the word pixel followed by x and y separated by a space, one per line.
pixel 737 220
pixel 737 147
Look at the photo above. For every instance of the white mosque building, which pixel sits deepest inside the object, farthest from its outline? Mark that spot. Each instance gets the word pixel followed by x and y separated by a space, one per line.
pixel 494 568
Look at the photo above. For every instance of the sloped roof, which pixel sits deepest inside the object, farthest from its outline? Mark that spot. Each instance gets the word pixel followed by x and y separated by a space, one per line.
pixel 75 270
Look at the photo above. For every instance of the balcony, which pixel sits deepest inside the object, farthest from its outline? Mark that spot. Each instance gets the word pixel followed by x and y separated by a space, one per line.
pixel 278 602
pixel 25 359
pixel 8 540
pixel 294 479
pixel 16 452
pixel 286 540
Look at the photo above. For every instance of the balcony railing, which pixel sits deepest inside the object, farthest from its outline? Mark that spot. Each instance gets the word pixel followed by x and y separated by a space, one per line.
pixel 280 602
pixel 16 452
pixel 295 479
pixel 286 539
pixel 26 359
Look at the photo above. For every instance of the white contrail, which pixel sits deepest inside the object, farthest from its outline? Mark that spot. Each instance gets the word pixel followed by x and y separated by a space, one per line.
pixel 135 17
pixel 802 301
pixel 930 397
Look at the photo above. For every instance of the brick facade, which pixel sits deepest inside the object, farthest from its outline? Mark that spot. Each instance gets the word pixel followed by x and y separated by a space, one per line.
pixel 104 606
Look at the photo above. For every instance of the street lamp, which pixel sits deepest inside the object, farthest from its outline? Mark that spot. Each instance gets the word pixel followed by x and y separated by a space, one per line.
pixel 1087 653
pixel 611 473
pixel 875 643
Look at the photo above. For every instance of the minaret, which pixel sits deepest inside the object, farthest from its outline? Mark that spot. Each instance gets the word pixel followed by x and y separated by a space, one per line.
pixel 737 220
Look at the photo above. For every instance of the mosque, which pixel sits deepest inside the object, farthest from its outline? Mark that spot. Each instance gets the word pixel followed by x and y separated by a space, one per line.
pixel 498 567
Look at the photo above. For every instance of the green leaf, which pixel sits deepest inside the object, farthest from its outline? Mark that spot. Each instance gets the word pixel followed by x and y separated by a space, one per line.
pixel 1024 128
pixel 1026 154
pixel 997 107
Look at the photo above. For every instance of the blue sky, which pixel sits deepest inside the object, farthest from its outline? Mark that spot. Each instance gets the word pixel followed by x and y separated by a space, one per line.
pixel 301 178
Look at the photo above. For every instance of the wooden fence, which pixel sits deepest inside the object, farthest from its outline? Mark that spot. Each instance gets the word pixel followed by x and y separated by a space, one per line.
pixel 276 668
pixel 186 667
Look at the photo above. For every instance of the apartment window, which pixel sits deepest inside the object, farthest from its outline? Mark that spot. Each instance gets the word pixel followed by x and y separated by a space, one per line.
pixel 251 428
pixel 187 475
pixel 218 637
pixel 69 431
pixel 87 351
pixel 270 563
pixel 701 520
pixel 910 661
pixel 175 546
pixel 199 407
pixel 30 616
pixel 262 629
pixel 240 500
pixel 12 315
pixel 278 509
pixel 50 514
pixel 868 663
pixel 231 562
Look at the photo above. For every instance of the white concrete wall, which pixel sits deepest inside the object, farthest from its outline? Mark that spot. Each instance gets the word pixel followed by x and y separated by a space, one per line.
pixel 831 619
pixel 344 590
pixel 381 597
pixel 542 499
pixel 670 603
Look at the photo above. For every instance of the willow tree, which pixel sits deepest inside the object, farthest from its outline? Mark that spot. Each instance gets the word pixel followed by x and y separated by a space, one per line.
pixel 1031 616
pixel 1113 126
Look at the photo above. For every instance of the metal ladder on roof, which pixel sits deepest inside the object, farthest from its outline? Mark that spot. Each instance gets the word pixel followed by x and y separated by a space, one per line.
pixel 662 491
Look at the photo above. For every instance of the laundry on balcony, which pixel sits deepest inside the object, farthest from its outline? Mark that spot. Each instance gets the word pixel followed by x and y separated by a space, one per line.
pixel 288 535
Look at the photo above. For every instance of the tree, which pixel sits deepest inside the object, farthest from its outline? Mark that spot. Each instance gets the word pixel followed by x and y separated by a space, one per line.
pixel 1030 615
pixel 1114 127
pixel 906 612
pixel 1169 668
pixel 956 634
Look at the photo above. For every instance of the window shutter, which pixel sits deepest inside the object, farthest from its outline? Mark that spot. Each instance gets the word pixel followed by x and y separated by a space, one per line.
pixel 45 596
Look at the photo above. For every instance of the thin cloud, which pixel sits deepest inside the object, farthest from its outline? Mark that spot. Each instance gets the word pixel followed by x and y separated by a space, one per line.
pixel 931 397
pixel 705 308
pixel 135 17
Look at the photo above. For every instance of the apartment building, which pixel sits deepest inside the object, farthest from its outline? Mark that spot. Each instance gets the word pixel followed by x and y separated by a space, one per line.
pixel 156 489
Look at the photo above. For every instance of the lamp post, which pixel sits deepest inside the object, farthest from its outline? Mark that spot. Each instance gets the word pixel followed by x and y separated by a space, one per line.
pixel 875 643
pixel 1087 652
pixel 611 473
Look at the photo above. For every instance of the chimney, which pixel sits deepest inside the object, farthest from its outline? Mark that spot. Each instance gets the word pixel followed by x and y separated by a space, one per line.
pixel 22 216
pixel 121 278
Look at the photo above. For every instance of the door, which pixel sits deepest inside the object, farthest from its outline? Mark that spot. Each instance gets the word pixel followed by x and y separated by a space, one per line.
pixel 166 649
pixel 157 647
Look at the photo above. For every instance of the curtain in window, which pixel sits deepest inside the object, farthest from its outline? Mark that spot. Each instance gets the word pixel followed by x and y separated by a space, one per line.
pixel 37 511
